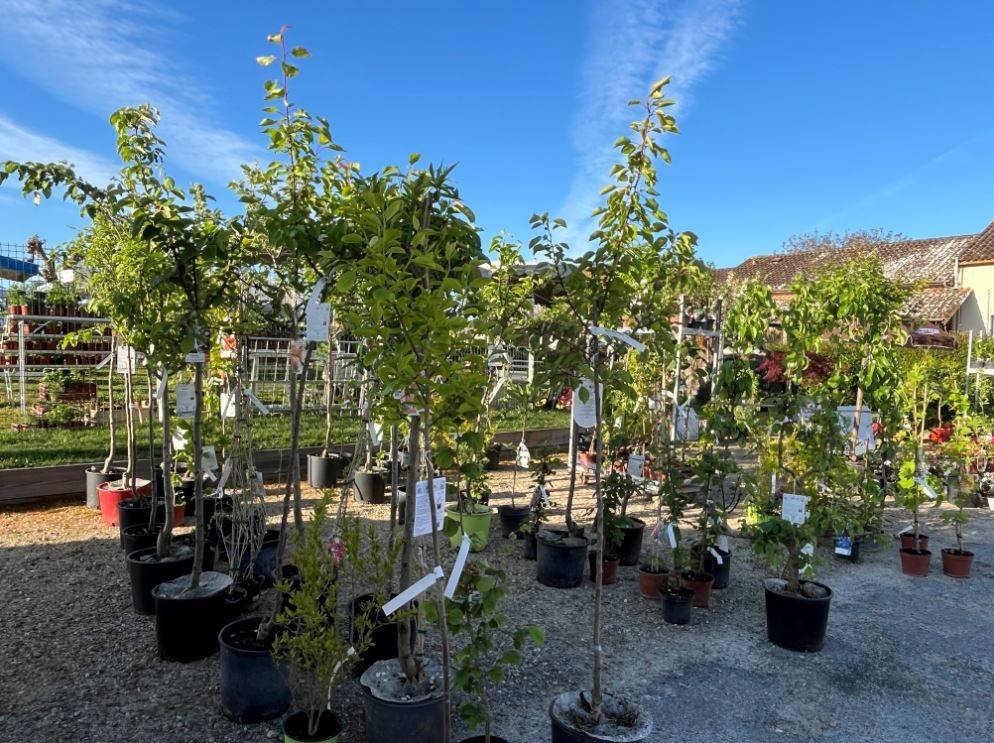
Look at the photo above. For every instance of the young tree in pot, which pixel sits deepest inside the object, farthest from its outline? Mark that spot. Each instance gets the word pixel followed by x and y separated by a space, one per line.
pixel 489 646
pixel 616 488
pixel 538 511
pixel 955 457
pixel 634 250
pixel 324 469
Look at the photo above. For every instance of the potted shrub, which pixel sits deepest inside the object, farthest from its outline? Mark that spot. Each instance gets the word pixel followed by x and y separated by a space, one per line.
pixel 541 467
pixel 488 647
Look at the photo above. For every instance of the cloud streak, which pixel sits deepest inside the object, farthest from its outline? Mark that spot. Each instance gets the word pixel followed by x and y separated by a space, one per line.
pixel 18 143
pixel 100 55
pixel 635 42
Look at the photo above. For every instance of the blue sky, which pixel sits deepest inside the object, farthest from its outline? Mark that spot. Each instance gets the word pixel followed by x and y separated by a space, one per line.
pixel 794 116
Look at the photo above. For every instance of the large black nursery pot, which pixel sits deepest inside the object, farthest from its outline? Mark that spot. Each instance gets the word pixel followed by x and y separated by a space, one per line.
pixel 139 537
pixel 188 621
pixel 631 542
pixel 147 571
pixel 565 713
pixel 388 721
pixel 252 687
pixel 676 604
pixel 95 477
pixel 324 472
pixel 296 728
pixel 133 512
pixel 383 639
pixel 483 739
pixel 264 567
pixel 531 546
pixel 511 519
pixel 797 621
pixel 560 558
pixel 371 485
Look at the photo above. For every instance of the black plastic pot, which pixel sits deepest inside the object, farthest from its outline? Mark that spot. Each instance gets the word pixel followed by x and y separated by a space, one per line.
pixel 146 574
pixel 511 519
pixel 676 605
pixel 855 548
pixel 252 687
pixel 139 537
pixel 631 542
pixel 797 622
pixel 560 559
pixel 722 573
pixel 264 567
pixel 399 722
pixel 370 486
pixel 564 732
pixel 324 472
pixel 132 512
pixel 95 477
pixel 531 546
pixel 383 640
pixel 187 625
pixel 295 728
pixel 493 456
pixel 186 495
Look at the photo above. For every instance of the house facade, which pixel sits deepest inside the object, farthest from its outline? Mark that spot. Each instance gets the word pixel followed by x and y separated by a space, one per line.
pixel 956 275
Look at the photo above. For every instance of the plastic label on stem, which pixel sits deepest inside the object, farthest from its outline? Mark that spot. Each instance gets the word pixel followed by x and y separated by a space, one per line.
pixel 928 489
pixel 227 405
pixel 716 556
pixel 671 535
pixel 256 402
pixel 636 466
pixel 186 401
pixel 225 474
pixel 524 457
pixel 413 591
pixel 617 335
pixel 457 568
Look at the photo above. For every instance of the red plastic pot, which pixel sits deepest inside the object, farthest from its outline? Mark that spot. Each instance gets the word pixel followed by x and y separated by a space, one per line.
pixel 650 584
pixel 110 494
pixel 915 562
pixel 908 541
pixel 700 584
pixel 956 563
pixel 610 574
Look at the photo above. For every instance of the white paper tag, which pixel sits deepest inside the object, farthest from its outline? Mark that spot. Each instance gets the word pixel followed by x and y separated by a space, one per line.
pixel 225 474
pixel 422 511
pixel 160 391
pixel 636 466
pixel 617 335
pixel 843 546
pixel 208 458
pixel 195 357
pixel 671 535
pixel 375 433
pixel 543 495
pixel 256 402
pixel 773 484
pixel 127 360
pixel 794 508
pixel 186 401
pixel 179 441
pixel 318 315
pixel 716 555
pixel 450 587
pixel 928 489
pixel 722 543
pixel 107 360
pixel 413 591
pixel 808 549
pixel 584 412
pixel 524 456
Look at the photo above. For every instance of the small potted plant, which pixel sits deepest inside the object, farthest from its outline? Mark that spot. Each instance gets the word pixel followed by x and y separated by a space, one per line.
pixel 489 646
pixel 614 488
pixel 538 512
pixel 471 515
pixel 915 555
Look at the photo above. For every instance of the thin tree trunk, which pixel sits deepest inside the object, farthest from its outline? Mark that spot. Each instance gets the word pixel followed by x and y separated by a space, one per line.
pixel 129 424
pixel 112 428
pixel 329 389
pixel 597 692
pixel 572 476
pixel 296 403
pixel 394 477
pixel 151 446
pixel 164 542
pixel 198 474
pixel 408 664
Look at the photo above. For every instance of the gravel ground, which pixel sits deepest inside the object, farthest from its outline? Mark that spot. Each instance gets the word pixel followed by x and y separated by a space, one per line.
pixel 906 658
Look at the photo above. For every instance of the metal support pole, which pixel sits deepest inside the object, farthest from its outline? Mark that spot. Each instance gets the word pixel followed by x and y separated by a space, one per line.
pixel 20 367
pixel 969 363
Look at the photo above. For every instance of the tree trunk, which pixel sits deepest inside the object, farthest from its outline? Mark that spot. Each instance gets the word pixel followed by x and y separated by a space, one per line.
pixel 408 664
pixel 296 403
pixel 394 477
pixel 112 428
pixel 151 446
pixel 572 477
pixel 198 473
pixel 164 542
pixel 597 693
pixel 129 423
pixel 329 388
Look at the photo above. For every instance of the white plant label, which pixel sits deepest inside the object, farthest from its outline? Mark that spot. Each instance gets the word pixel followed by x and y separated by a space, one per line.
pixel 422 510
pixel 225 474
pixel 450 587
pixel 256 402
pixel 543 495
pixel 928 489
pixel 196 357
pixel 617 335
pixel 808 549
pixel 688 425
pixel 716 555
pixel 186 401
pixel 208 458
pixel 636 466
pixel 524 457
pixel 160 390
pixel 413 591
pixel 584 413
pixel 671 535
pixel 865 439
pixel 843 546
pixel 795 508
pixel 107 359
pixel 722 543
pixel 228 346
pixel 773 484
pixel 375 433
pixel 318 315
pixel 228 405
pixel 179 441
pixel 127 360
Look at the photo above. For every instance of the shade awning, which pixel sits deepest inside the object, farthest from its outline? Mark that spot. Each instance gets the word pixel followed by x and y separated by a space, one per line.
pixel 14 269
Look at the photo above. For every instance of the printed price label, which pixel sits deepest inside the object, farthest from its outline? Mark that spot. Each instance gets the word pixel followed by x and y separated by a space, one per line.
pixel 843 546
pixel 636 466
pixel 186 401
pixel 422 509
pixel 795 508
pixel 583 411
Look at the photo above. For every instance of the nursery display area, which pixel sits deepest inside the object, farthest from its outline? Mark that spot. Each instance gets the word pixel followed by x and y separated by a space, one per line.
pixel 763 521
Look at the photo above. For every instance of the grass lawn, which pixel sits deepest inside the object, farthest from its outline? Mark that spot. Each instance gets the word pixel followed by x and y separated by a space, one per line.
pixel 39 447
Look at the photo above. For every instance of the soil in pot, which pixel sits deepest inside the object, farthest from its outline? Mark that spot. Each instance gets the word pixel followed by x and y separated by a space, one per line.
pixel 417 719
pixel 483 739
pixel 621 722
pixel 370 486
pixel 252 687
pixel 560 559
pixel 188 621
pixel 631 542
pixel 797 621
pixel 676 604
pixel 383 639
pixel 700 584
pixel 296 729
pixel 146 571
pixel 651 582
pixel 511 519
pixel 610 570
pixel 915 562
pixel 957 563
pixel 324 472
pixel 908 541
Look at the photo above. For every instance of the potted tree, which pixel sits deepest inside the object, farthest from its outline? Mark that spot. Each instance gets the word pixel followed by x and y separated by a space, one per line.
pixel 538 511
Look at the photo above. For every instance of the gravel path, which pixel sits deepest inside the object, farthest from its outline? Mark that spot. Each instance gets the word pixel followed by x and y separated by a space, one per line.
pixel 906 658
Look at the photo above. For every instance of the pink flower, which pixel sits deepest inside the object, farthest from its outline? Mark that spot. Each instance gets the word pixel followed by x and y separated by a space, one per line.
pixel 337 549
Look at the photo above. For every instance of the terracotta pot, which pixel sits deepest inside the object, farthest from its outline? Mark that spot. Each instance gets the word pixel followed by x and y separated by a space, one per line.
pixel 915 562
pixel 908 541
pixel 700 584
pixel 957 564
pixel 650 584
pixel 588 459
pixel 610 574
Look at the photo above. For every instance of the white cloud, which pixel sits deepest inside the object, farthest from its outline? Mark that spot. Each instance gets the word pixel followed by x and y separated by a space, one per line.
pixel 99 55
pixel 18 143
pixel 635 42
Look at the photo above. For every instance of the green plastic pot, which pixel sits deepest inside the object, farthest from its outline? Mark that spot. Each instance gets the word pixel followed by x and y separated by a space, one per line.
pixel 475 524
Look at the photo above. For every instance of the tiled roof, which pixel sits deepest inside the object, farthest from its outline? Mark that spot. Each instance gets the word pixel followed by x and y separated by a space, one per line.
pixel 981 248
pixel 936 303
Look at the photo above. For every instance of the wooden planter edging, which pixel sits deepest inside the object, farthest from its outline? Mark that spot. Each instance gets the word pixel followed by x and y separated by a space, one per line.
pixel 24 484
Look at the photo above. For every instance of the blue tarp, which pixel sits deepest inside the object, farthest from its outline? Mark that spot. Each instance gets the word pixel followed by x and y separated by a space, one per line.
pixel 15 269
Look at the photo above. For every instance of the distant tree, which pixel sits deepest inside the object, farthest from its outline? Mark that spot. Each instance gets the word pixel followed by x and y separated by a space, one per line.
pixel 815 240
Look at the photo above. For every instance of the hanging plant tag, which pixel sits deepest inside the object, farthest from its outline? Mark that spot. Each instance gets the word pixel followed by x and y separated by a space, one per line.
pixel 808 549
pixel 208 458
pixel 196 357
pixel 671 535
pixel 186 401
pixel 636 466
pixel 375 433
pixel 926 488
pixel 127 360
pixel 413 591
pixel 794 508
pixel 225 474
pixel 107 359
pixel 716 555
pixel 227 405
pixel 228 346
pixel 318 315
pixel 722 543
pixel 422 512
pixel 450 587
pixel 160 390
pixel 524 457
pixel 584 413
pixel 543 495
pixel 843 546
pixel 256 402
pixel 617 335
pixel 688 425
